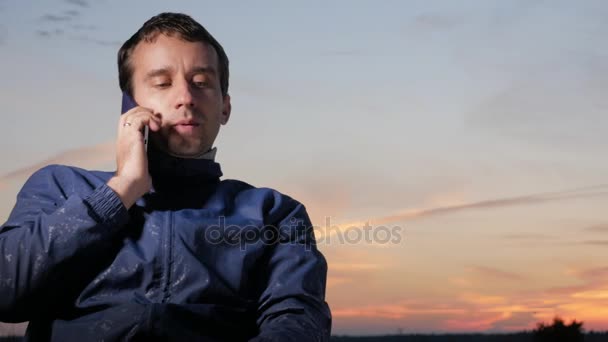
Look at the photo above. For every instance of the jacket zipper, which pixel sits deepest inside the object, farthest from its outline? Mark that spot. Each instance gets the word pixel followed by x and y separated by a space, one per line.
pixel 168 256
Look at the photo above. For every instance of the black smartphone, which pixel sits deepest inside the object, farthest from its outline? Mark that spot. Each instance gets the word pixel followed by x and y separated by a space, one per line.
pixel 127 104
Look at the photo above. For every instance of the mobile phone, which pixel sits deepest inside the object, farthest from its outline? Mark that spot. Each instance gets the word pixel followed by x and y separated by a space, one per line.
pixel 127 104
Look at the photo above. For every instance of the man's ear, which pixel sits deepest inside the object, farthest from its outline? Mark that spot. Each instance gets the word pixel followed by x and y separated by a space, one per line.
pixel 227 108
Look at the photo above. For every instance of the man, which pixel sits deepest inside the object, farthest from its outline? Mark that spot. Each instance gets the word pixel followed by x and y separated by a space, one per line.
pixel 162 249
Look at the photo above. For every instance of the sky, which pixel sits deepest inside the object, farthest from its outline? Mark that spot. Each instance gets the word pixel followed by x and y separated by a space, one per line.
pixel 469 135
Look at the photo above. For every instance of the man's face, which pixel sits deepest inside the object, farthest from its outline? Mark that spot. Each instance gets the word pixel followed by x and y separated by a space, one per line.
pixel 179 81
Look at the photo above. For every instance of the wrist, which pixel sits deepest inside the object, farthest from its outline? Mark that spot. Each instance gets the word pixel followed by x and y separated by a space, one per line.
pixel 126 190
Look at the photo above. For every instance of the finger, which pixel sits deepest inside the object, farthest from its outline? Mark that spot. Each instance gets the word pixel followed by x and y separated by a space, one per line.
pixel 133 127
pixel 141 118
pixel 155 123
pixel 128 118
pixel 137 109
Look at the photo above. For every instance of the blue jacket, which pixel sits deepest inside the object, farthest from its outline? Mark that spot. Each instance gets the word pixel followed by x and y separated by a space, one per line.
pixel 196 259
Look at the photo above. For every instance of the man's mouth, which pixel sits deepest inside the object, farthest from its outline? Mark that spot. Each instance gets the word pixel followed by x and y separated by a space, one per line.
pixel 186 126
pixel 188 122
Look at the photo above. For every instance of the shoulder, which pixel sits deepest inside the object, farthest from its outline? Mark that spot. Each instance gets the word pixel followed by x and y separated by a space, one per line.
pixel 64 178
pixel 49 176
pixel 65 172
pixel 272 202
pixel 244 189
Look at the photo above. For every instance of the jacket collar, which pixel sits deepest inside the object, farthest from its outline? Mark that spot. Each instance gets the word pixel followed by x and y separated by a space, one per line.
pixel 174 172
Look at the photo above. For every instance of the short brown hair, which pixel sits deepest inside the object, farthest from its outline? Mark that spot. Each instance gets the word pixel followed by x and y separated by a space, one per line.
pixel 169 24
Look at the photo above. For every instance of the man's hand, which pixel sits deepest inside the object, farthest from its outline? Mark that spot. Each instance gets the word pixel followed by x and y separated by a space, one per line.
pixel 132 179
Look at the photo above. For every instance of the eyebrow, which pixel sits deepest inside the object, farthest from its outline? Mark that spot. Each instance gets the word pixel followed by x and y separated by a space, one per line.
pixel 203 70
pixel 158 72
pixel 167 70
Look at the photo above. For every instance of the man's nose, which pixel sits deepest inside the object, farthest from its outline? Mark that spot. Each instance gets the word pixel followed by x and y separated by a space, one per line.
pixel 184 95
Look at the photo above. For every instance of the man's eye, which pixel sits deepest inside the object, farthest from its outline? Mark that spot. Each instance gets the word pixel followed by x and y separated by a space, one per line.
pixel 162 85
pixel 201 84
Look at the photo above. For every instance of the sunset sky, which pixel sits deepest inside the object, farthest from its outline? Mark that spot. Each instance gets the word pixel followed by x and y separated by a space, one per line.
pixel 477 128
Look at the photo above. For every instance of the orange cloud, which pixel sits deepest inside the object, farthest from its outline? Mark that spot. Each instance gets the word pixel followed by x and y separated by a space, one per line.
pixel 343 273
pixel 393 311
pixel 482 300
pixel 475 321
pixel 483 310
pixel 334 281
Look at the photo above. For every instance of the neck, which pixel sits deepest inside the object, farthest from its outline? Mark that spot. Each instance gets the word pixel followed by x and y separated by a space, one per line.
pixel 172 172
pixel 209 154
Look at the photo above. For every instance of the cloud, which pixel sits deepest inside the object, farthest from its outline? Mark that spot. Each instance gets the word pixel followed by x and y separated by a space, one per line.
pixel 81 27
pixel 527 237
pixel 91 156
pixel 73 29
pixel 355 266
pixel 461 282
pixel 530 199
pixel 598 228
pixel 343 53
pixel 72 13
pixel 324 197
pixel 102 42
pixel 491 272
pixel 435 21
pixel 474 321
pixel 551 94
pixel 393 311
pixel 335 281
pixel 592 274
pixel 590 191
pixel 596 242
pixel 50 33
pixel 544 106
pixel 43 33
pixel 55 18
pixel 588 301
pixel 530 240
pixel 478 307
pixel 482 310
pixel 472 312
pixel 79 3
pixel 330 231
pixel 587 276
pixel 96 41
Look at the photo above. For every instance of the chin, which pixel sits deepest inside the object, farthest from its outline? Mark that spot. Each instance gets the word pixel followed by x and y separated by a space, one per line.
pixel 181 147
pixel 187 151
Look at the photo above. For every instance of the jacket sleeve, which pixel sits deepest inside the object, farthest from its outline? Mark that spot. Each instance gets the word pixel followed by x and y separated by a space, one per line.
pixel 51 239
pixel 292 306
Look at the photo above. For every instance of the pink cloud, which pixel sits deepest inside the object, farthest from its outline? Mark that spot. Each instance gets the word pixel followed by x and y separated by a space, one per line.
pixel 486 310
